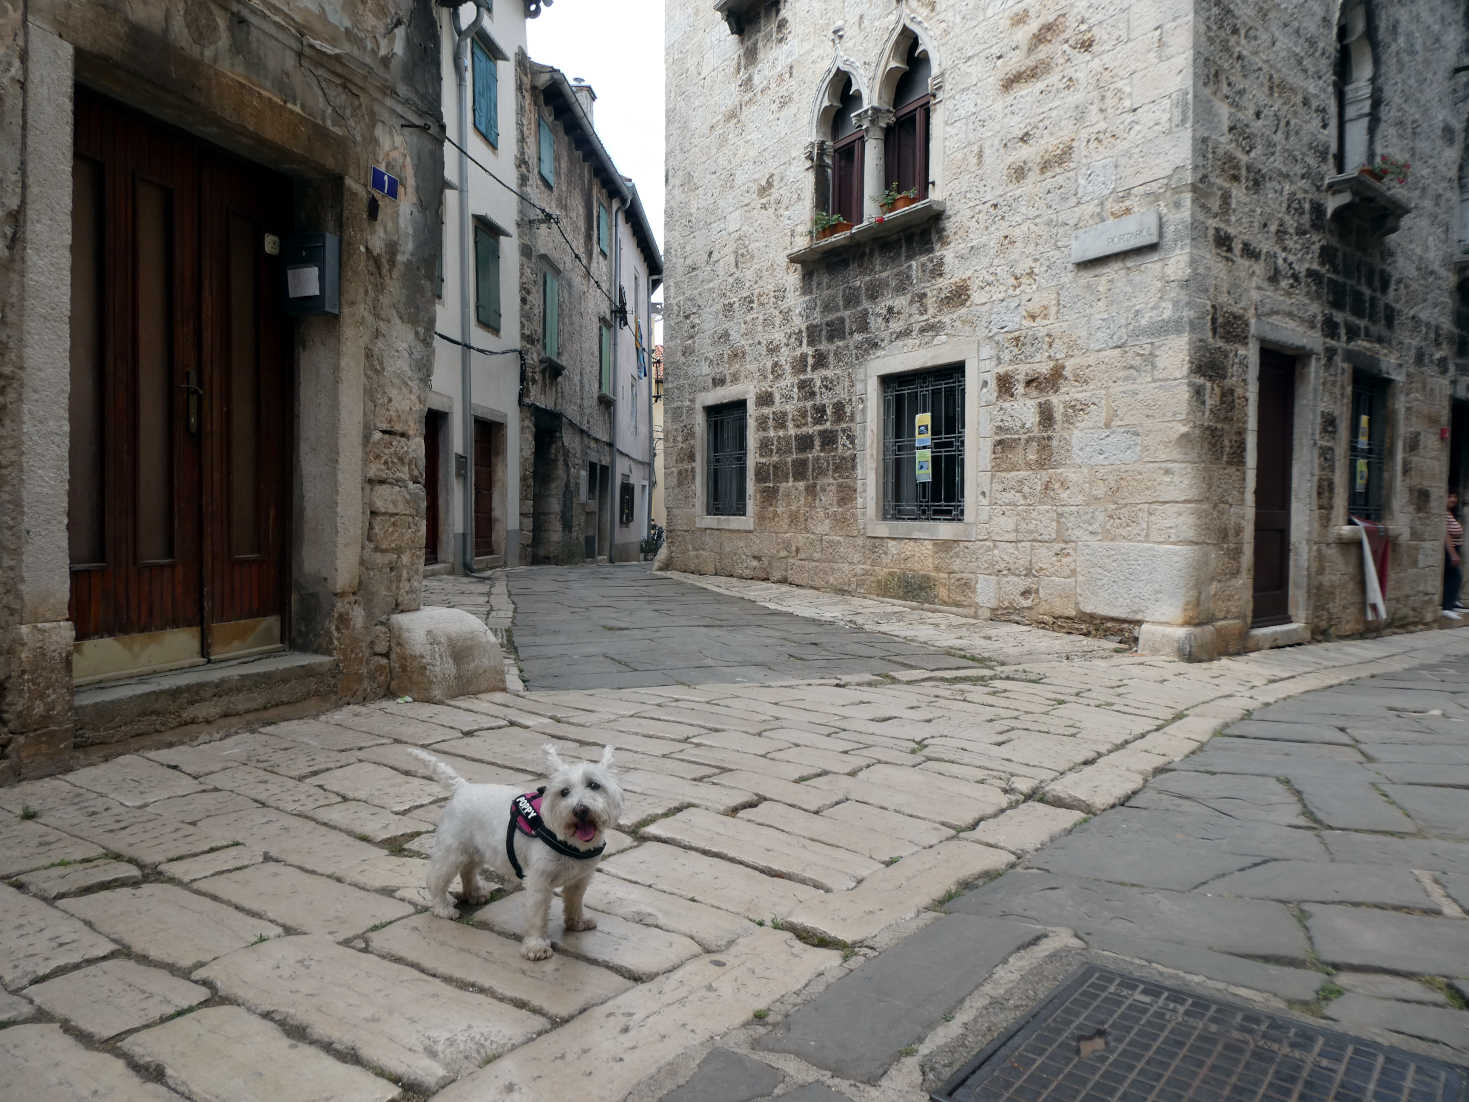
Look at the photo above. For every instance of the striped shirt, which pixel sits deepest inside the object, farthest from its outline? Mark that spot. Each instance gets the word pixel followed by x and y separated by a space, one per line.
pixel 1455 531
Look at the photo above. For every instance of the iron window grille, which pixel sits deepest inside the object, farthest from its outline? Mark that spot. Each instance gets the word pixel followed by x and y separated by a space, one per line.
pixel 1367 467
pixel 939 393
pixel 727 455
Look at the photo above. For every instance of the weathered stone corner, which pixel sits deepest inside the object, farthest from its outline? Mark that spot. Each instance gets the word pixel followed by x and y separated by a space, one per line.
pixel 437 654
pixel 1191 642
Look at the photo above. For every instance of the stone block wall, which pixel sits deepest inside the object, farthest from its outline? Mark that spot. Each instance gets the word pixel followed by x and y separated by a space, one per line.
pixel 1271 265
pixel 1050 118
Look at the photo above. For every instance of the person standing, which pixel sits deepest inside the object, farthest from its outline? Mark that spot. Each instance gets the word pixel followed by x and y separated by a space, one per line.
pixel 1453 569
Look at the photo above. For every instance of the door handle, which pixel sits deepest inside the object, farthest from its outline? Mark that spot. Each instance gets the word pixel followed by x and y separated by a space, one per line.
pixel 194 392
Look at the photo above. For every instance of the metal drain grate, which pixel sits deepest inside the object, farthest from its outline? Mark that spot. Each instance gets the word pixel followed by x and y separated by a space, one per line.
pixel 1110 1037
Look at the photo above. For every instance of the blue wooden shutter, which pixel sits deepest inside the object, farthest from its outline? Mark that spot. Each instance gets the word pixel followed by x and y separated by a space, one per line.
pixel 602 236
pixel 606 359
pixel 486 95
pixel 487 277
pixel 552 296
pixel 548 154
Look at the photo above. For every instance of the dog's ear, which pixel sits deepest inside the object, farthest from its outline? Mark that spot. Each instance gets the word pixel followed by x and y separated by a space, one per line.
pixel 606 757
pixel 553 759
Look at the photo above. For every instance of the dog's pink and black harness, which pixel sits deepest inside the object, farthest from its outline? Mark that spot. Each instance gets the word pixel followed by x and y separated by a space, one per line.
pixel 525 818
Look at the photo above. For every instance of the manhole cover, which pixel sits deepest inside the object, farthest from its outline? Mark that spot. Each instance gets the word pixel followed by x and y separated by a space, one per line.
pixel 1109 1037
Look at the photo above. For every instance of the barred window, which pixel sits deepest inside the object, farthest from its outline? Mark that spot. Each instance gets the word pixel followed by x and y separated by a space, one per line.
pixel 726 456
pixel 908 491
pixel 1367 468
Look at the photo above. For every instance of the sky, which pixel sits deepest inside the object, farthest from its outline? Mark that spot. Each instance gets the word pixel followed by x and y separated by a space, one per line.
pixel 616 46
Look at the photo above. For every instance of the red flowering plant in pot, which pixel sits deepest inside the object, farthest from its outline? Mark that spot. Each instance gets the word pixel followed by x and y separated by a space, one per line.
pixel 1386 169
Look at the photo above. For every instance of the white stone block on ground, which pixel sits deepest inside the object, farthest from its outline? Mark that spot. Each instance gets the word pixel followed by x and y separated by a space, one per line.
pixel 707 880
pixel 225 1054
pixel 633 950
pixel 170 924
pixel 64 880
pixel 874 843
pixel 374 721
pixel 462 716
pixel 1136 760
pixel 712 928
pixel 767 787
pixel 1093 789
pixel 41 1062
pixel 114 996
pixel 400 759
pixel 295 840
pixel 1026 828
pixel 602 1054
pixel 720 758
pixel 328 736
pixel 36 939
pixel 395 1018
pixel 897 892
pixel 380 786
pixel 26 844
pixel 937 799
pixel 560 987
pixel 1167 744
pixel 1054 752
pixel 133 780
pixel 211 864
pixel 716 797
pixel 374 824
pixel 303 900
pixel 201 805
pixel 279 755
pixel 137 834
pixel 766 848
pixel 860 816
pixel 439 653
pixel 272 790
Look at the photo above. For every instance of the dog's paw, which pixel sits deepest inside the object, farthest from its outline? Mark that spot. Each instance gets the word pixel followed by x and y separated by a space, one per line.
pixel 444 910
pixel 585 922
pixel 476 895
pixel 535 948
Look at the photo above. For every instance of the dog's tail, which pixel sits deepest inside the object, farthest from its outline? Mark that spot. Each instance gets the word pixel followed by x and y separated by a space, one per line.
pixel 440 770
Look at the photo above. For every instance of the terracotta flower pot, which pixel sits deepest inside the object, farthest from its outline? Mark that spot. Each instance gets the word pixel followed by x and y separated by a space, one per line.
pixel 832 230
pixel 903 201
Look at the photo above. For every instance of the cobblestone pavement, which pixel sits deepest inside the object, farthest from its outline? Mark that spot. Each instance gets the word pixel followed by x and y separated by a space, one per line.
pixel 243 917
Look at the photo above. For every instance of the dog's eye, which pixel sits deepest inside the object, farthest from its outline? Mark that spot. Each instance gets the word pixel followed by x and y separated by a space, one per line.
pixel 565 792
pixel 594 786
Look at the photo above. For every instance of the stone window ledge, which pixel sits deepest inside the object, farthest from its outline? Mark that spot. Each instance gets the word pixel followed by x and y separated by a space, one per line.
pixel 728 524
pixel 1366 199
pixel 553 365
pixel 605 398
pixel 735 11
pixel 874 229
pixel 920 530
pixel 1347 533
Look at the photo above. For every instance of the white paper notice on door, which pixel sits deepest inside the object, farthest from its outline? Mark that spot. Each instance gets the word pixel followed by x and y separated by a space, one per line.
pixel 303 282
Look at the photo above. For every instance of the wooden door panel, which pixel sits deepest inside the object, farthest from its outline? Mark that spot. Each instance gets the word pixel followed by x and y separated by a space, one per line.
pixel 484 488
pixel 1274 453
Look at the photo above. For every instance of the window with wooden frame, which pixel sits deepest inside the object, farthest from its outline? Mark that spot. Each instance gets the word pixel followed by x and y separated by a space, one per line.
pixel 905 152
pixel 486 94
pixel 1369 446
pixel 486 276
pixel 847 149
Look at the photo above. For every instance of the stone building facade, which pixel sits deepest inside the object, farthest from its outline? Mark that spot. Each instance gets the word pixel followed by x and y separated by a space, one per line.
pixel 192 477
pixel 1139 290
pixel 588 267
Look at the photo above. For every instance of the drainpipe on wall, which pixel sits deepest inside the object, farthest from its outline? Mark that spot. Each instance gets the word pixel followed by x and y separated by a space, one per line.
pixel 648 353
pixel 614 485
pixel 465 36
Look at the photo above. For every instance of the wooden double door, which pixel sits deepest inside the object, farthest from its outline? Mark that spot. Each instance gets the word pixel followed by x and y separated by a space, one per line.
pixel 182 419
pixel 1274 458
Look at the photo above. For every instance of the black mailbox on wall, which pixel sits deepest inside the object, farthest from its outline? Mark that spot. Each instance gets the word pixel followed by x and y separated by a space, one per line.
pixel 625 508
pixel 313 274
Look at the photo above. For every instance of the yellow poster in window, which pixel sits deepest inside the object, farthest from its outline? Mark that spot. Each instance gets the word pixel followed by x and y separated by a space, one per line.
pixel 923 428
pixel 1364 431
pixel 1360 483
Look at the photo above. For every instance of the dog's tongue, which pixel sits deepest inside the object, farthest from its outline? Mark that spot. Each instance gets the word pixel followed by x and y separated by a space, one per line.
pixel 586 831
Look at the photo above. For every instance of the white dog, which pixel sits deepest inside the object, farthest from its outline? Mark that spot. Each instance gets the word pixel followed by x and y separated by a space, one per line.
pixel 548 839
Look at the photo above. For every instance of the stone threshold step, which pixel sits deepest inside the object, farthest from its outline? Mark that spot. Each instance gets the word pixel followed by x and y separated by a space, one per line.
pixel 115 711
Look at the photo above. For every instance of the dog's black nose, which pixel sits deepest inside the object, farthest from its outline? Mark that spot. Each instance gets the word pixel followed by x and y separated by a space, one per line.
pixel 580 811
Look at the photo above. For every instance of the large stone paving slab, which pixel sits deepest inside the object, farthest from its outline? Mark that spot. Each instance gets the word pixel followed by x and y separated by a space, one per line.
pixel 1370 938
pixel 602 1054
pixel 225 1054
pixel 1438 811
pixel 711 927
pixel 1128 849
pixel 1413 853
pixel 859 1025
pixel 106 999
pixel 725 1076
pixel 706 880
pixel 134 781
pixel 37 939
pixel 560 987
pixel 1244 926
pixel 42 1062
pixel 26 844
pixel 170 924
pixel 1319 882
pixel 394 1018
pixel 304 901
pixel 1425 1023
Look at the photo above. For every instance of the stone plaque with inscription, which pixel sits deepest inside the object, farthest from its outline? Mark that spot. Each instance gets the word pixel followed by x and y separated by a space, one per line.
pixel 1120 235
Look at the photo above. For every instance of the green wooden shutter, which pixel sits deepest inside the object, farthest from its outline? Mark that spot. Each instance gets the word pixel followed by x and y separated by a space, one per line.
pixel 548 154
pixel 487 277
pixel 602 235
pixel 606 359
pixel 552 301
pixel 486 95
